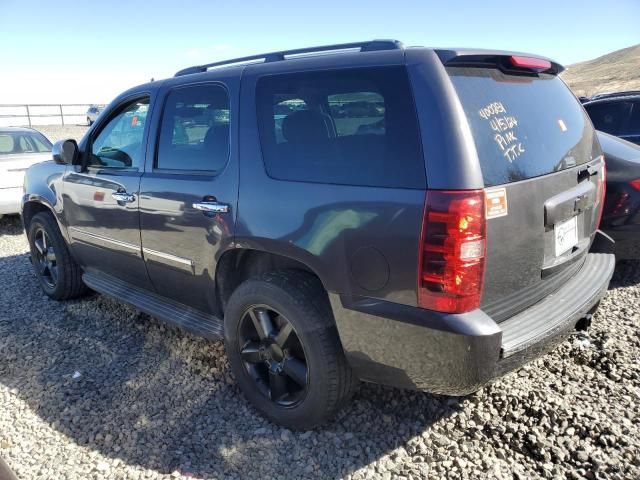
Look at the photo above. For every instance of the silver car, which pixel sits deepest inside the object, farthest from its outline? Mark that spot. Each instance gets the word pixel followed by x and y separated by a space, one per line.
pixel 19 149
pixel 92 113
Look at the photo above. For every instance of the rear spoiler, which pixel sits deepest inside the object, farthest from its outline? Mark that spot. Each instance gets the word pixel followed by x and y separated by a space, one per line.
pixel 510 62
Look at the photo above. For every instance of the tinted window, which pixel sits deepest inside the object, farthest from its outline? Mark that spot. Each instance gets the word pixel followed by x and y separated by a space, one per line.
pixel 354 127
pixel 357 113
pixel 633 125
pixel 119 143
pixel 609 117
pixel 195 129
pixel 523 126
pixel 283 107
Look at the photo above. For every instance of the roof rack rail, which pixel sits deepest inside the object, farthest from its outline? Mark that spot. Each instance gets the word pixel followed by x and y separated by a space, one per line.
pixel 368 46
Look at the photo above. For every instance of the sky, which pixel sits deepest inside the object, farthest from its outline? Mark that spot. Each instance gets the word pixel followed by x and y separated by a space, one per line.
pixel 88 52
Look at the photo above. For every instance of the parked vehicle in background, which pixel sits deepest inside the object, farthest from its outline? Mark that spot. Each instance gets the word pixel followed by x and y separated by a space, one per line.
pixel 621 216
pixel 19 149
pixel 602 95
pixel 616 114
pixel 416 217
pixel 92 114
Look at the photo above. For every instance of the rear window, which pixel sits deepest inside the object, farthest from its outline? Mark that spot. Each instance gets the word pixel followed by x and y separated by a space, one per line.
pixel 523 126
pixel 350 127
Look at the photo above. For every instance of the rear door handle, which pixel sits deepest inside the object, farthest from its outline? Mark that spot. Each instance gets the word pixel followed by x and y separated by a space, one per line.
pixel 123 197
pixel 211 207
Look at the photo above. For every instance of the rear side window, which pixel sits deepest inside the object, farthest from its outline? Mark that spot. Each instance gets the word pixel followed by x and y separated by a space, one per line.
pixel 358 114
pixel 523 126
pixel 350 127
pixel 609 117
pixel 195 129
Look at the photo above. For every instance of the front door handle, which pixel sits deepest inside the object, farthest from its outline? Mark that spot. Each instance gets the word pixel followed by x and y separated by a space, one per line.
pixel 211 207
pixel 123 197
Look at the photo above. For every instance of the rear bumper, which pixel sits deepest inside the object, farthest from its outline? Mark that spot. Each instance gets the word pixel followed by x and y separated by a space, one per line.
pixel 456 354
pixel 10 199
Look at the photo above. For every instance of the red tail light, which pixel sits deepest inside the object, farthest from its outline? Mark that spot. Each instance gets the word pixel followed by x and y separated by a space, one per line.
pixel 635 184
pixel 531 63
pixel 452 251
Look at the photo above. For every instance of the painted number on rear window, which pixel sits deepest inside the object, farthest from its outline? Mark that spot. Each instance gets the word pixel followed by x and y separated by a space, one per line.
pixel 505 128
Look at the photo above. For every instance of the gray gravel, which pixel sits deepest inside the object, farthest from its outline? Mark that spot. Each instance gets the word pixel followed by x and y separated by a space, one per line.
pixel 92 389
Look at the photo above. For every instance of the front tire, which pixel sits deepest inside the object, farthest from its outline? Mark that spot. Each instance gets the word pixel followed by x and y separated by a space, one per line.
pixel 284 349
pixel 59 274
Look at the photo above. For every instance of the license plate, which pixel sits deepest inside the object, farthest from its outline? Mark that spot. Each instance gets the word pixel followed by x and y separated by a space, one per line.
pixel 566 235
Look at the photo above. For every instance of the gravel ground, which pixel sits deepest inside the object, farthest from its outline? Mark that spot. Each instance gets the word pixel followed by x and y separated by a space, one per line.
pixel 92 389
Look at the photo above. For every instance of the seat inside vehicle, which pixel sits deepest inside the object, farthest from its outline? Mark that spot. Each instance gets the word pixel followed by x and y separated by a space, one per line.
pixel 312 149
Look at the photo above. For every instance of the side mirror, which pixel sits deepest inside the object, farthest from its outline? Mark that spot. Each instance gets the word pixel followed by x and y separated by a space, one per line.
pixel 65 151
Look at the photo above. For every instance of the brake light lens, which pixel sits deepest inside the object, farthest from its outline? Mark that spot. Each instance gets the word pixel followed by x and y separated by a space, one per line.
pixel 635 184
pixel 531 63
pixel 451 259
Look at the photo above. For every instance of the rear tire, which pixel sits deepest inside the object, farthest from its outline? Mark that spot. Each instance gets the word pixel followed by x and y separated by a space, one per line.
pixel 59 274
pixel 295 303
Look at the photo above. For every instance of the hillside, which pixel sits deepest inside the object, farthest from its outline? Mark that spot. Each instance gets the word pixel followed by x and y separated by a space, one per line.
pixel 615 71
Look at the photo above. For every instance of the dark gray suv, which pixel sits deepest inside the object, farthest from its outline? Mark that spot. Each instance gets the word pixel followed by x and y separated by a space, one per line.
pixel 415 217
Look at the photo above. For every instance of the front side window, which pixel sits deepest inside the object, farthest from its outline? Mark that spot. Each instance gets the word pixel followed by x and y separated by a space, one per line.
pixel 119 143
pixel 195 129
pixel 349 127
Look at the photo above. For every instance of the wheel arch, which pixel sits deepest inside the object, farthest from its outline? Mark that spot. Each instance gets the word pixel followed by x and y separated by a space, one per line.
pixel 32 207
pixel 37 204
pixel 240 264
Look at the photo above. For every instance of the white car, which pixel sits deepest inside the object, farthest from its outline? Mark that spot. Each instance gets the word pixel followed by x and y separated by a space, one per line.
pixel 19 149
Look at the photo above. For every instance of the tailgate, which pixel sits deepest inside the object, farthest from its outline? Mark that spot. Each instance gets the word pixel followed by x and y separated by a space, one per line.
pixel 543 172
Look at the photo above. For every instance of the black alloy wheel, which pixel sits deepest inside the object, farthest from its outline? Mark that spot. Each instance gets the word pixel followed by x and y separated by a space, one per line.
pixel 45 258
pixel 284 350
pixel 58 273
pixel 273 355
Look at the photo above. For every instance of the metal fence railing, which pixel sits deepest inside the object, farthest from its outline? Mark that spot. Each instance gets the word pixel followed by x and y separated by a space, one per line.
pixel 19 115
